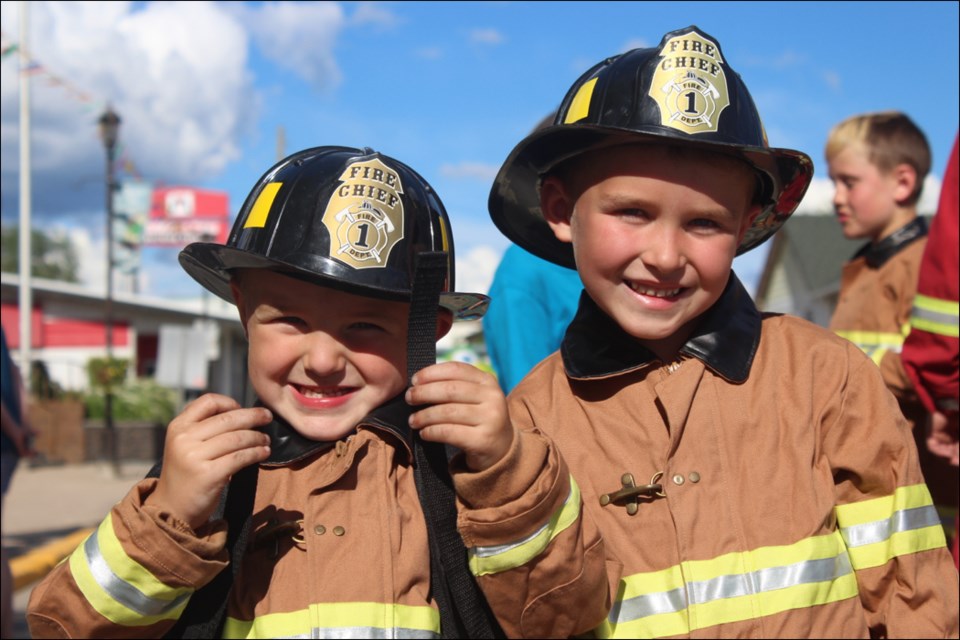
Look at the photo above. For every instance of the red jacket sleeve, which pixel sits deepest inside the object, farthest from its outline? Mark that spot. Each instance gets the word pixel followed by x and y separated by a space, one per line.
pixel 931 353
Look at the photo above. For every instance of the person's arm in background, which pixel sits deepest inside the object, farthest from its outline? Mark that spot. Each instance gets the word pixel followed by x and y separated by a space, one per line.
pixel 931 352
pixel 20 433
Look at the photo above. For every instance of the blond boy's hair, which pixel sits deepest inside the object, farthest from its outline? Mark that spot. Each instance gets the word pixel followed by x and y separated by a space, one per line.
pixel 891 138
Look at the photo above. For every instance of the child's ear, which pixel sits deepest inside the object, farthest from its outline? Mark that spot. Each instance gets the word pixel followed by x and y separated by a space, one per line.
pixel 557 207
pixel 444 322
pixel 905 182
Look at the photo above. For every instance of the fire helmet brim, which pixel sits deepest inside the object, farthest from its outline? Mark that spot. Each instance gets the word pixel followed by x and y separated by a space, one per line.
pixel 211 264
pixel 514 201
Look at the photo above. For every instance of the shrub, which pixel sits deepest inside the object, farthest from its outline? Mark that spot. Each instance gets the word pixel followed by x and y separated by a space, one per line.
pixel 142 399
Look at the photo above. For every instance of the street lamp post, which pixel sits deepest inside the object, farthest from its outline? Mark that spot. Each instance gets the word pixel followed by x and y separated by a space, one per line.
pixel 109 129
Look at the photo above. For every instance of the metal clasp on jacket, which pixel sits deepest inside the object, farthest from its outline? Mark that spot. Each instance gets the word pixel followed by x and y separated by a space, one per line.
pixel 275 530
pixel 631 492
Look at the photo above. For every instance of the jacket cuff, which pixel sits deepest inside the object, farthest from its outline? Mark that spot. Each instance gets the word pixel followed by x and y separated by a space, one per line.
pixel 515 496
pixel 503 482
pixel 176 554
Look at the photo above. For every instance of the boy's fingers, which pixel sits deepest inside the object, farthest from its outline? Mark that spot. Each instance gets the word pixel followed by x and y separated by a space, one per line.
pixel 443 391
pixel 241 458
pixel 449 371
pixel 452 413
pixel 208 405
pixel 235 441
pixel 232 420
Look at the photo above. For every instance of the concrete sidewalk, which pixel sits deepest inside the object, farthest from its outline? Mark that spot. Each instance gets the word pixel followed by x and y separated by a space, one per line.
pixel 46 512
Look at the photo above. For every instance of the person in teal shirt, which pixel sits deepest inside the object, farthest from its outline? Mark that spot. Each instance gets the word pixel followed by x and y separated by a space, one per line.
pixel 531 303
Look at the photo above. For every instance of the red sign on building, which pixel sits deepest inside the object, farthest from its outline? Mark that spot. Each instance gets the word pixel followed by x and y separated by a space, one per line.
pixel 181 215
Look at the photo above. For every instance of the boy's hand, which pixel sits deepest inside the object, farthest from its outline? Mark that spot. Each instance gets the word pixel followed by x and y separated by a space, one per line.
pixel 467 410
pixel 942 436
pixel 205 445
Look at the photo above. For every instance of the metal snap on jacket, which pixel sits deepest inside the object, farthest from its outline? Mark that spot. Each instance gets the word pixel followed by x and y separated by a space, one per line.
pixel 630 492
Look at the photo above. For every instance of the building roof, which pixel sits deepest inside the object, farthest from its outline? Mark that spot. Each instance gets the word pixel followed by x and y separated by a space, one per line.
pixel 160 309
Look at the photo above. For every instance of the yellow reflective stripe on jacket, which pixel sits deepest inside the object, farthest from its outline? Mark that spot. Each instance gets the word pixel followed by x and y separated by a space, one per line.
pixel 935 315
pixel 341 620
pixel 731 588
pixel 883 528
pixel 876 343
pixel 495 559
pixel 120 588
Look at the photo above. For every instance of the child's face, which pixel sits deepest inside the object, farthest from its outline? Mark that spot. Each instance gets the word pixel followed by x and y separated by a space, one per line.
pixel 654 234
pixel 320 358
pixel 865 198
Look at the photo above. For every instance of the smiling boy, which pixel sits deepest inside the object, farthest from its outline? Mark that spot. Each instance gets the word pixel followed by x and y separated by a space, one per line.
pixel 333 524
pixel 749 473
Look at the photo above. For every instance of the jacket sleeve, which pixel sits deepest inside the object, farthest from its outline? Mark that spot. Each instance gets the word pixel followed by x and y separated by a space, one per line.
pixel 900 293
pixel 931 352
pixel 131 578
pixel 539 562
pixel 895 541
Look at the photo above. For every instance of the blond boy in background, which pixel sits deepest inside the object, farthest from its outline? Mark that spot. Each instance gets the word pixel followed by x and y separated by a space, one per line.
pixel 878 162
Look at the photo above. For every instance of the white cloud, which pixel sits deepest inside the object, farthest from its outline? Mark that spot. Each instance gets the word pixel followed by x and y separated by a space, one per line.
pixel 429 53
pixel 930 196
pixel 832 79
pixel 636 43
pixel 475 268
pixel 92 257
pixel 818 199
pixel 780 61
pixel 175 73
pixel 486 36
pixel 300 36
pixel 374 13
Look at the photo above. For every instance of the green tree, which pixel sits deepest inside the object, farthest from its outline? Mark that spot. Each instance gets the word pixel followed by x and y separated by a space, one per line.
pixel 53 256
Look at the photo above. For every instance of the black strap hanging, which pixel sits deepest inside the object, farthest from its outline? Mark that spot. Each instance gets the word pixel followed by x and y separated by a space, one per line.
pixel 464 612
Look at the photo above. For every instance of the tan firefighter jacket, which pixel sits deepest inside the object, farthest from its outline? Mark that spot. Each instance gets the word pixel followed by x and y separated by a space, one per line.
pixel 763 485
pixel 337 549
pixel 878 288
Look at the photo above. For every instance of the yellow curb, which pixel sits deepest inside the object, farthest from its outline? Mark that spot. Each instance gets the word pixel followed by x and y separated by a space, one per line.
pixel 36 563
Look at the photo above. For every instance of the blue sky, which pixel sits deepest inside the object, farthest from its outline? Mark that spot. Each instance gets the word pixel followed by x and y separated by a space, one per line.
pixel 447 87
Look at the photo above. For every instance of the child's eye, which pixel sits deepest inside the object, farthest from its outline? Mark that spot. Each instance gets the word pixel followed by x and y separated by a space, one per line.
pixel 704 223
pixel 632 213
pixel 366 326
pixel 291 320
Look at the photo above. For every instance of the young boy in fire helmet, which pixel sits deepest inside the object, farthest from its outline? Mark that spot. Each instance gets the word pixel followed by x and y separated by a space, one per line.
pixel 338 520
pixel 749 473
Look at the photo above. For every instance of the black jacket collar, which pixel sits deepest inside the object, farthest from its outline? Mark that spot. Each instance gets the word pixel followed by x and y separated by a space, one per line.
pixel 287 445
pixel 726 339
pixel 879 253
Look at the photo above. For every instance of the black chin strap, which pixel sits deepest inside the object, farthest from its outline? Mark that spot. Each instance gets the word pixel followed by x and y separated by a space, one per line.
pixel 464 612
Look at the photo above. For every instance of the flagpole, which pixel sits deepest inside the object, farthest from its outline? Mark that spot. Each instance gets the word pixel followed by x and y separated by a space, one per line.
pixel 25 293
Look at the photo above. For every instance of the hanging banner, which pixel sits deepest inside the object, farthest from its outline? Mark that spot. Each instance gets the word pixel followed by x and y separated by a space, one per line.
pixel 181 215
pixel 131 207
